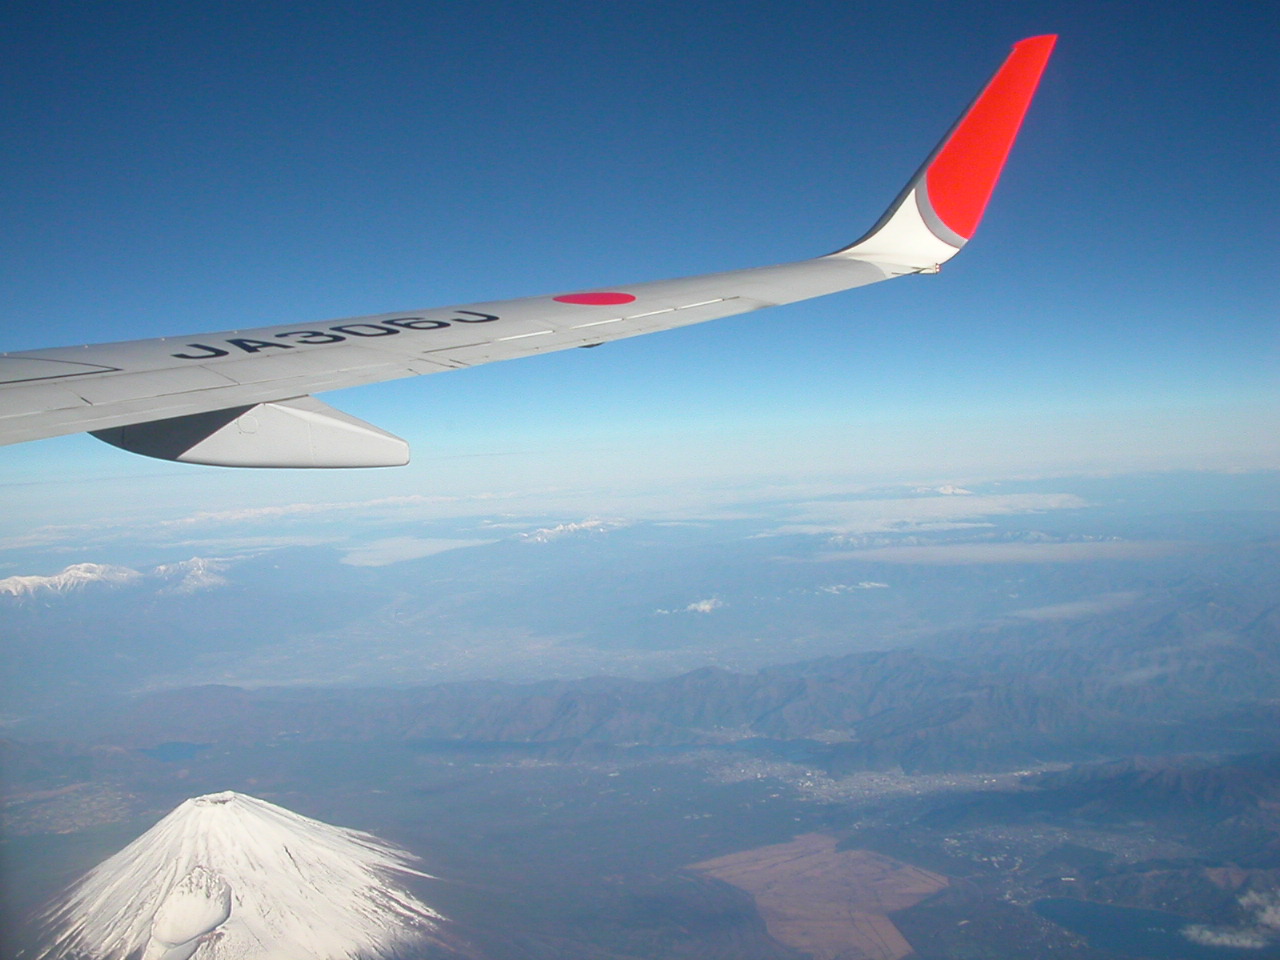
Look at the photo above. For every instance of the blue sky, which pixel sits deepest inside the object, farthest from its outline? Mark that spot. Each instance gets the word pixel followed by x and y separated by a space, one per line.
pixel 183 167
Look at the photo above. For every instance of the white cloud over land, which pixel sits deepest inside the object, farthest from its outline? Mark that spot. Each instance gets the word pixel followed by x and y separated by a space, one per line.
pixel 709 605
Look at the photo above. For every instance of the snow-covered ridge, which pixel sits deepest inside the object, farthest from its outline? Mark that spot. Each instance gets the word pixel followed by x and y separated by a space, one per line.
pixel 74 577
pixel 186 576
pixel 547 534
pixel 230 877
pixel 198 573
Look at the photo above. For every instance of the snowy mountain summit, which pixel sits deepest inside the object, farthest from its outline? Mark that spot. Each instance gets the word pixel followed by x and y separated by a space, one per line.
pixel 230 877
pixel 71 579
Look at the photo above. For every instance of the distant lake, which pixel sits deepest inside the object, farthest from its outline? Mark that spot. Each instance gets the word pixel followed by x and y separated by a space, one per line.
pixel 1139 933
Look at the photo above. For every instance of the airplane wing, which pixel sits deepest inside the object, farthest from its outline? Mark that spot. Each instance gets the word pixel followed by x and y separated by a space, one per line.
pixel 244 397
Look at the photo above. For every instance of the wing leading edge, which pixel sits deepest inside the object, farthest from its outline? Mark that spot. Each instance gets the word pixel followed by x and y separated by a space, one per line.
pixel 243 397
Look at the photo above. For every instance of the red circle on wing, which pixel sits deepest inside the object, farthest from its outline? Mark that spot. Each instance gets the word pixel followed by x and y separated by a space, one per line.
pixel 596 299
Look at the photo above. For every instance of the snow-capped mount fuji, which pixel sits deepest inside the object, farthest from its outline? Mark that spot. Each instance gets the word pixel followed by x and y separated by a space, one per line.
pixel 230 877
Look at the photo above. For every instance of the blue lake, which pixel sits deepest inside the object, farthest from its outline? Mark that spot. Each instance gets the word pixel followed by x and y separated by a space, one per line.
pixel 1145 934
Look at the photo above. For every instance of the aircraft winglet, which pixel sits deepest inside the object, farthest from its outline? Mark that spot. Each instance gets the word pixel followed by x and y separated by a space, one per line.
pixel 939 209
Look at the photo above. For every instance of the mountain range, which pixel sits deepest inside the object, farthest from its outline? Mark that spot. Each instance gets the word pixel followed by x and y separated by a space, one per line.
pixel 1163 677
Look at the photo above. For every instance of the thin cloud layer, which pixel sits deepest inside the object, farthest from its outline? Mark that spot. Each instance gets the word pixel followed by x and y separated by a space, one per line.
pixel 1078 609
pixel 964 553
pixel 942 512
pixel 381 553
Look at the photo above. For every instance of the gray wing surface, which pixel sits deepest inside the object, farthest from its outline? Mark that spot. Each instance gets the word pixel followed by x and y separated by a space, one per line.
pixel 244 397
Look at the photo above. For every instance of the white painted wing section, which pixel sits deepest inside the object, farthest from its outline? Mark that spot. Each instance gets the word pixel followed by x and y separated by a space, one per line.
pixel 906 230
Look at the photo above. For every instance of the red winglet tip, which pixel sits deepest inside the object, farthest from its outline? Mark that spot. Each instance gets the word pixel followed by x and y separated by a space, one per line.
pixel 1046 40
pixel 963 175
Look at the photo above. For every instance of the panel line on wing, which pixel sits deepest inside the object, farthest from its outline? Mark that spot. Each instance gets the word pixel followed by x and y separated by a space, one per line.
pixel 456 346
pixel 28 369
pixel 652 313
pixel 521 336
